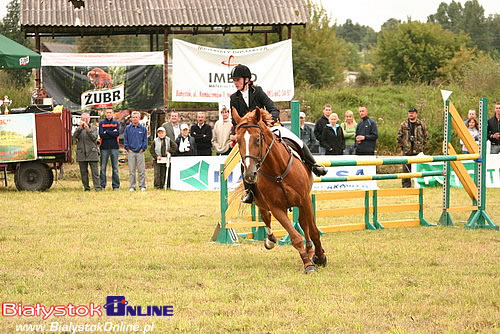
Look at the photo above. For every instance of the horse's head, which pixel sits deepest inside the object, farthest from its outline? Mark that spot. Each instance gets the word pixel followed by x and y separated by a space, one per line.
pixel 254 140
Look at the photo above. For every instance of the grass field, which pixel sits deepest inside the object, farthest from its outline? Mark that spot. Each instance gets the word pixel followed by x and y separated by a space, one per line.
pixel 69 246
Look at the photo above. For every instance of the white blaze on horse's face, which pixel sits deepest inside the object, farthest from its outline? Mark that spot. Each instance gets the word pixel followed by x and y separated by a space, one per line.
pixel 246 136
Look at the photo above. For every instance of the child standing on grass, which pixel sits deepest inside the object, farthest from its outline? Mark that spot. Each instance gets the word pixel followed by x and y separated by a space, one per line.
pixel 160 148
pixel 332 138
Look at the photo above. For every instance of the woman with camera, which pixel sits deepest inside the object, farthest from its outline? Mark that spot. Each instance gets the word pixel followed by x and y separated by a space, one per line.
pixel 86 152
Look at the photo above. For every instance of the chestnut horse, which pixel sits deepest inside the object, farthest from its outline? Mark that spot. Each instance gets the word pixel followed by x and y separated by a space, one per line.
pixel 282 181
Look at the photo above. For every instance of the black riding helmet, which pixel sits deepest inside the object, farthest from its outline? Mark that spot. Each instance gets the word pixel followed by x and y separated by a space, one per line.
pixel 241 71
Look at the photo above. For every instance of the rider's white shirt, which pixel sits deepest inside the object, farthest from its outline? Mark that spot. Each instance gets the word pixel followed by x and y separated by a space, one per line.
pixel 285 133
pixel 246 98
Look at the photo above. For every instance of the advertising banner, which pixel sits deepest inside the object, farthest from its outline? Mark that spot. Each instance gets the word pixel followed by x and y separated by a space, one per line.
pixel 202 74
pixel 131 80
pixel 492 173
pixel 17 137
pixel 202 173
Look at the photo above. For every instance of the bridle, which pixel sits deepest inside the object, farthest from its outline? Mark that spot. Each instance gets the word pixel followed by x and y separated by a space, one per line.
pixel 260 161
pixel 261 158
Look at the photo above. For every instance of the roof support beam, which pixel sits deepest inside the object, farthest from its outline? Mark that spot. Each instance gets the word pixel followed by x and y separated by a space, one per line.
pixel 86 31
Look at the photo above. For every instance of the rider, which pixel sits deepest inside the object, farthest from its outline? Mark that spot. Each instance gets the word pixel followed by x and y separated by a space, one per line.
pixel 248 97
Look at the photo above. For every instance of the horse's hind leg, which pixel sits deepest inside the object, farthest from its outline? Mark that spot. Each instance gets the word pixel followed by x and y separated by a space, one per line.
pixel 295 238
pixel 271 240
pixel 306 218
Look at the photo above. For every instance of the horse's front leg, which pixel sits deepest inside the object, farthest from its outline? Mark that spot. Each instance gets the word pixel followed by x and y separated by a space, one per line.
pixel 270 240
pixel 296 239
pixel 305 219
pixel 311 231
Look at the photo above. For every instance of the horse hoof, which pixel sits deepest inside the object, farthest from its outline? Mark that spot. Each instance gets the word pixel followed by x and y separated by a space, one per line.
pixel 320 262
pixel 269 244
pixel 310 269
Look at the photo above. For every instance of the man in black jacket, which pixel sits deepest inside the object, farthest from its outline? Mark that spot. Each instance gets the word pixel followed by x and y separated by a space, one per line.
pixel 248 97
pixel 366 134
pixel 321 123
pixel 202 134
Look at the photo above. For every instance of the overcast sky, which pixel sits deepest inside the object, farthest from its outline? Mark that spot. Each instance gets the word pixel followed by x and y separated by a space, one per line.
pixel 372 12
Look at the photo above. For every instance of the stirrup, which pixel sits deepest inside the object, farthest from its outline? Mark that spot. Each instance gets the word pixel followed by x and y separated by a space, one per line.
pixel 248 198
pixel 319 170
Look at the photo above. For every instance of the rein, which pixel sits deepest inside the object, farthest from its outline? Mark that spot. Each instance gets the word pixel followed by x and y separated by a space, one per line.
pixel 260 161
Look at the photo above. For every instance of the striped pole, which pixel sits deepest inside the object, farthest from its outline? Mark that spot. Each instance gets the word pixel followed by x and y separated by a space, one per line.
pixel 480 218
pixel 397 161
pixel 376 177
pixel 445 218
pixel 294 117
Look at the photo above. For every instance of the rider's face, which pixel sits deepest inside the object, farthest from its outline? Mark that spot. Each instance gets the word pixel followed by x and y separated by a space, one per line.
pixel 239 83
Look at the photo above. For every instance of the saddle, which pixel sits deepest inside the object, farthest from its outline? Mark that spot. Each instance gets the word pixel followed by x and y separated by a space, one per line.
pixel 293 148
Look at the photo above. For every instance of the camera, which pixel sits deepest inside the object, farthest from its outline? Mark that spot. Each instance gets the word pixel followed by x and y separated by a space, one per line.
pixel 412 139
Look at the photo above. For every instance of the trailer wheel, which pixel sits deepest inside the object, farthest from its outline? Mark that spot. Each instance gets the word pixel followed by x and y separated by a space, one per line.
pixel 32 176
pixel 49 179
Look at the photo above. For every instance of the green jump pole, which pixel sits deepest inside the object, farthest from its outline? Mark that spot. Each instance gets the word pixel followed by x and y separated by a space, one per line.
pixel 481 219
pixel 376 223
pixel 402 160
pixel 294 117
pixel 368 225
pixel 423 221
pixel 223 235
pixel 377 177
pixel 445 218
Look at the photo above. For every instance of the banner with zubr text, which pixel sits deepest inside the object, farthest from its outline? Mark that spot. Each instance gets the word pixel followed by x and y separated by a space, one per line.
pixel 202 74
pixel 129 80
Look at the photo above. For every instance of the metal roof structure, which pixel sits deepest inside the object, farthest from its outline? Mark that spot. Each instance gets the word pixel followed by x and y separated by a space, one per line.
pixel 122 17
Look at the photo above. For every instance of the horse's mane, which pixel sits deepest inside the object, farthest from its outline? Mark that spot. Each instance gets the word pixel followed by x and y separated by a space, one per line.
pixel 249 118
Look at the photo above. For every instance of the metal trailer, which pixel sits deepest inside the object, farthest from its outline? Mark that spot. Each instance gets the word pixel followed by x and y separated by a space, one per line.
pixel 53 142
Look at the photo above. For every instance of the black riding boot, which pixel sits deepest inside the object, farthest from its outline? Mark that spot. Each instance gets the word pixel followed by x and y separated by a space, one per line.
pixel 249 193
pixel 311 162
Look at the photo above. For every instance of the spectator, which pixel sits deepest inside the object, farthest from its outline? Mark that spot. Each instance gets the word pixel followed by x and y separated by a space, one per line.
pixel 332 138
pixel 202 134
pixel 320 125
pixel 173 131
pixel 173 127
pixel 109 131
pixel 221 141
pixel 186 145
pixel 470 114
pixel 474 131
pixel 412 137
pixel 87 152
pixel 160 149
pixel 494 130
pixel 366 134
pixel 136 142
pixel 349 129
pixel 306 133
